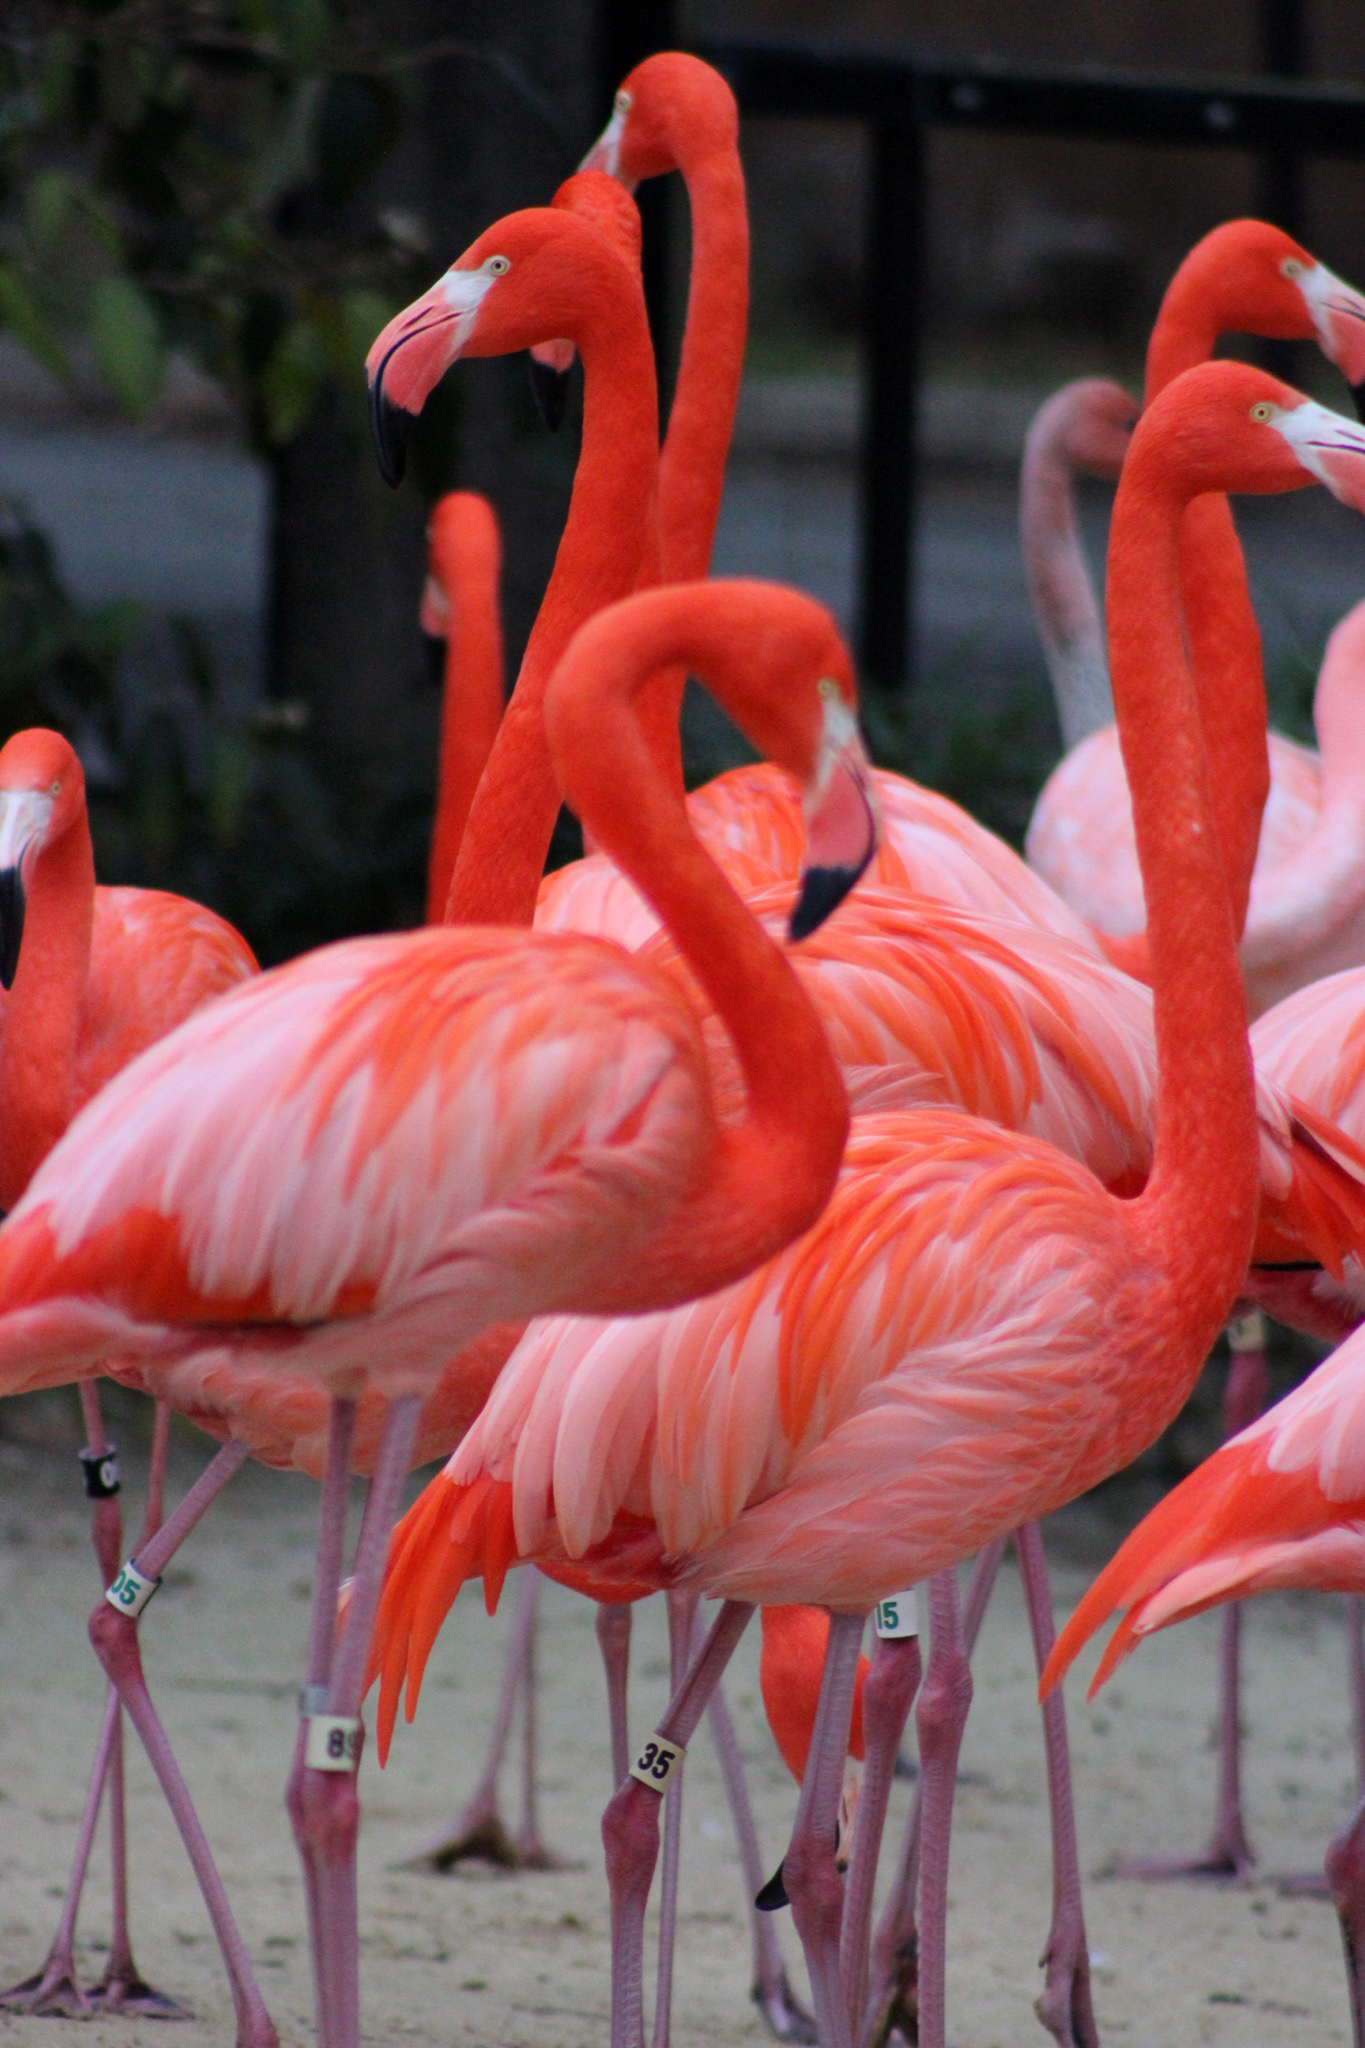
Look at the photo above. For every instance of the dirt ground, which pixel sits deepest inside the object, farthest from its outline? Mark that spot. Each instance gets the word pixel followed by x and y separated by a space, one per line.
pixel 522 1959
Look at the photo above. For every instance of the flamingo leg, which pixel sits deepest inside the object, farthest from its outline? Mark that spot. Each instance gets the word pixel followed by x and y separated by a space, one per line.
pixel 940 1717
pixel 54 1991
pixel 1355 1664
pixel 1064 2005
pixel 785 2018
pixel 809 1869
pixel 479 1832
pixel 682 1615
pixel 613 1641
pixel 888 1693
pixel 327 1806
pixel 1229 1856
pixel 630 1825
pixel 1346 1885
pixel 115 1636
pixel 895 1949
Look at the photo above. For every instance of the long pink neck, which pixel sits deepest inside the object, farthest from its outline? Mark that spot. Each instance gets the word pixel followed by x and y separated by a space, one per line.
pixel 1064 604
pixel 770 1173
pixel 1199 1205
pixel 498 868
pixel 43 1011
pixel 472 701
pixel 1225 642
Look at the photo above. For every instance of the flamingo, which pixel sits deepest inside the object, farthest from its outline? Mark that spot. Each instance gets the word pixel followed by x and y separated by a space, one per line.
pixel 974 1330
pixel 456 1129
pixel 460 609
pixel 93 976
pixel 1304 890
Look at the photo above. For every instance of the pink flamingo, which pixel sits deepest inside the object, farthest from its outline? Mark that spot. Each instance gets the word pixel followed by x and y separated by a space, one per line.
pixel 789 1438
pixel 390 1204
pixel 93 976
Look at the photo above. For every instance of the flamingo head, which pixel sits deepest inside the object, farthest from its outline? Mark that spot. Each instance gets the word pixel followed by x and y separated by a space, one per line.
pixel 1095 421
pixel 670 107
pixel 42 794
pixel 525 279
pixel 1237 429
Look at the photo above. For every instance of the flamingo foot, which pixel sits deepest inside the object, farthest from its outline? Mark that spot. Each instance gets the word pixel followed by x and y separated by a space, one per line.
pixel 1304 1884
pixel 783 2014
pixel 1228 1860
pixel 52 1994
pixel 1064 2004
pixel 898 2016
pixel 481 1835
pixel 123 1989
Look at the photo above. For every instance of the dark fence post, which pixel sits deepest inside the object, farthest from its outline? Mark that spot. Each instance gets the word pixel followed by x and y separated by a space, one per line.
pixel 629 30
pixel 891 375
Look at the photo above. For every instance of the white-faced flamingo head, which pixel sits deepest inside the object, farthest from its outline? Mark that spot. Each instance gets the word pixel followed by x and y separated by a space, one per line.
pixel 42 794
pixel 1243 430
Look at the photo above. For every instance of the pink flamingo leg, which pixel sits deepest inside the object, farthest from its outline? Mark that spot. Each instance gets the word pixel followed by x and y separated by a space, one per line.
pixel 1346 1885
pixel 682 1615
pixel 613 1641
pixel 115 1638
pixel 55 1991
pixel 888 1694
pixel 630 1828
pixel 895 1950
pixel 940 1717
pixel 1229 1856
pixel 479 1831
pixel 328 1804
pixel 785 2017
pixel 1064 2004
pixel 809 1870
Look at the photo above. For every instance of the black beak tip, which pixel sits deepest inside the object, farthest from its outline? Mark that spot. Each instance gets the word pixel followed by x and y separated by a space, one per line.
pixel 822 891
pixel 389 426
pixel 772 1896
pixel 1358 400
pixel 11 924
pixel 550 389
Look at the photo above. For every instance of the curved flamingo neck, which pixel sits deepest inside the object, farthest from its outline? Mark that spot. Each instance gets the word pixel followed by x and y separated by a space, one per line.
pixel 1200 1201
pixel 771 1172
pixel 1064 606
pixel 468 563
pixel 43 1012
pixel 499 864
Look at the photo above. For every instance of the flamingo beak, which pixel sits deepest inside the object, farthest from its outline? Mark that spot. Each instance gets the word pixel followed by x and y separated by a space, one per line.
pixel 23 820
pixel 1338 315
pixel 551 362
pixel 1330 447
pixel 605 154
pixel 410 355
pixel 841 820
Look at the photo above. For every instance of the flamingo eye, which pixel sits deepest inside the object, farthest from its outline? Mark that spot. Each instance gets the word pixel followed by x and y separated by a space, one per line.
pixel 623 103
pixel 1262 411
pixel 827 688
pixel 498 266
pixel 56 789
pixel 1291 267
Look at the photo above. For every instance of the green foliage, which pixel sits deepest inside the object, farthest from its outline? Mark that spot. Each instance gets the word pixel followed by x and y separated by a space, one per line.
pixel 188 177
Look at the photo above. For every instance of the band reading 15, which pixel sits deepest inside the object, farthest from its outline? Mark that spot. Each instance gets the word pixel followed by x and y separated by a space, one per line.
pixel 896 1616
pixel 657 1761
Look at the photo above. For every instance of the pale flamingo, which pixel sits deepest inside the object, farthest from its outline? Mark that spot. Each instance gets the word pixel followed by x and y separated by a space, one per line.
pixel 93 975
pixel 1307 896
pixel 809 1453
pixel 455 1129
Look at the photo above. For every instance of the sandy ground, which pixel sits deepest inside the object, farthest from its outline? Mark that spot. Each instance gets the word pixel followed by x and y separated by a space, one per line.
pixel 518 1959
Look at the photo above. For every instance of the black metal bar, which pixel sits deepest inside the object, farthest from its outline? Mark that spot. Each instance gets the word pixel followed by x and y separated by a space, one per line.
pixel 629 30
pixel 894 250
pixel 1284 52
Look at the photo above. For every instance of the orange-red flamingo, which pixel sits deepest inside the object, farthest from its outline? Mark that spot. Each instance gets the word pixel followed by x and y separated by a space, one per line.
pixel 973 1331
pixel 93 975
pixel 1304 889
pixel 460 610
pixel 458 1128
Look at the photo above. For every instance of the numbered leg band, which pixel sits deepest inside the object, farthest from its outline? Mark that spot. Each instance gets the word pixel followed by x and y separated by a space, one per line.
pixel 1248 1332
pixel 896 1616
pixel 100 1472
pixel 332 1742
pixel 131 1590
pixel 657 1761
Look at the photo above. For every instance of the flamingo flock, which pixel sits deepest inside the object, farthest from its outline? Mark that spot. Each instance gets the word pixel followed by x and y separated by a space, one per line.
pixel 792 1200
